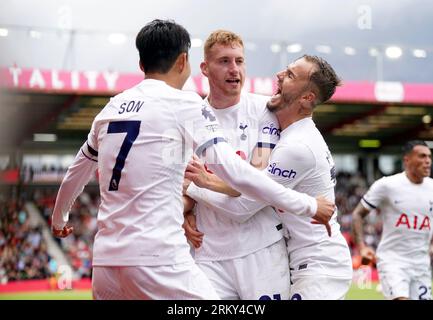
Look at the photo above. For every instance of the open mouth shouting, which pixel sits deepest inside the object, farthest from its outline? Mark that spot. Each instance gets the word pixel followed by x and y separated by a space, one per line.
pixel 277 95
pixel 233 81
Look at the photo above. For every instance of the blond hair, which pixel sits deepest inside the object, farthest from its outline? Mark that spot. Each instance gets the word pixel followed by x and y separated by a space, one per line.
pixel 222 37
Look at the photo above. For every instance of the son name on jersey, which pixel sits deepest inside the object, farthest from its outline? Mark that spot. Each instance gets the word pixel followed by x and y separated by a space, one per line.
pixel 131 106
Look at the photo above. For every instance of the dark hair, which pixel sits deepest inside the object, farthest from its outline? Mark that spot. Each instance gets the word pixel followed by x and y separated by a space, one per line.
pixel 324 78
pixel 408 146
pixel 159 43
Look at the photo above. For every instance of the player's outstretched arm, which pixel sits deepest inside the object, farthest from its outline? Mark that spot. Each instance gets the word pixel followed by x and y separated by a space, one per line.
pixel 367 253
pixel 221 159
pixel 196 172
pixel 77 176
pixel 239 209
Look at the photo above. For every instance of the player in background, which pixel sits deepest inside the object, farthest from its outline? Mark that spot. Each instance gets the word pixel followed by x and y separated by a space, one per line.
pixel 405 201
pixel 320 262
pixel 245 260
pixel 138 142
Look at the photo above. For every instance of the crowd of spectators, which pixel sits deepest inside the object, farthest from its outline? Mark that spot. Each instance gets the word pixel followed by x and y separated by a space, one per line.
pixel 348 192
pixel 23 251
pixel 78 246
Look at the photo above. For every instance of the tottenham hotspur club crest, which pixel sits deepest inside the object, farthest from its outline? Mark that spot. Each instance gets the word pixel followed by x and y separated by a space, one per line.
pixel 243 127
pixel 207 114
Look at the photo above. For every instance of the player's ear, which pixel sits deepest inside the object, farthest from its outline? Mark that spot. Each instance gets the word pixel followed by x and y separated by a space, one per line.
pixel 203 67
pixel 405 159
pixel 182 62
pixel 310 96
pixel 141 66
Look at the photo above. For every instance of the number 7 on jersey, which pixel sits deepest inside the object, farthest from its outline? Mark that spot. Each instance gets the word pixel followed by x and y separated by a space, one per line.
pixel 131 128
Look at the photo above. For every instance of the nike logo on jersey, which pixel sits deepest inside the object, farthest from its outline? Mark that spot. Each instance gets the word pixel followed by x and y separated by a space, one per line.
pixel 273 169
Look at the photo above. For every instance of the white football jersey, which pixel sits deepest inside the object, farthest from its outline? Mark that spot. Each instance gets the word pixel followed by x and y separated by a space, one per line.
pixel 245 125
pixel 142 140
pixel 407 211
pixel 302 161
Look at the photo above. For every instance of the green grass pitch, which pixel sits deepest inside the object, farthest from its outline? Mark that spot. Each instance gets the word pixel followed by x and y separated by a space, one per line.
pixel 354 293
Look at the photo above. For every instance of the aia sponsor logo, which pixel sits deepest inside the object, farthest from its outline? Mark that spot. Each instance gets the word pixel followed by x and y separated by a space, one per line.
pixel 413 223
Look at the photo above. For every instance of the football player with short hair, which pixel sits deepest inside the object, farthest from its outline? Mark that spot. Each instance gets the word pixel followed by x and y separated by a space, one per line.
pixel 405 201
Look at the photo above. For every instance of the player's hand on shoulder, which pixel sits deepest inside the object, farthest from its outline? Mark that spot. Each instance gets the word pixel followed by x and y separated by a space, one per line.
pixel 62 233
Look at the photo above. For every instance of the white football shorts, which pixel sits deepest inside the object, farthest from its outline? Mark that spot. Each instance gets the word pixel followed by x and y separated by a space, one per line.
pixel 319 288
pixel 262 275
pixel 401 281
pixel 178 282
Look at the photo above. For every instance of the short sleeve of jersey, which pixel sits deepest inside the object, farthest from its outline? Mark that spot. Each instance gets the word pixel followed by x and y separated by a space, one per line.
pixel 376 195
pixel 200 125
pixel 269 131
pixel 290 163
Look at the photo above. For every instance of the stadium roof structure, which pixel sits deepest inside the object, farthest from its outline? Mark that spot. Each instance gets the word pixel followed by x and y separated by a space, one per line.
pixel 361 116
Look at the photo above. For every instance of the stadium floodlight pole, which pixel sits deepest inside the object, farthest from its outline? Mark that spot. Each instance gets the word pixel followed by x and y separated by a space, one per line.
pixel 379 66
pixel 377 54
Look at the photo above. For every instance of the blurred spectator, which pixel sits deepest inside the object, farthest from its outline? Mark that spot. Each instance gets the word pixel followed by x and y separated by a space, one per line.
pixel 79 245
pixel 349 190
pixel 23 252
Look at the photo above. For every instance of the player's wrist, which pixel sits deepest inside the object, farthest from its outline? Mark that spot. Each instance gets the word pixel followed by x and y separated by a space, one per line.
pixel 313 207
pixel 57 227
pixel 210 182
pixel 361 246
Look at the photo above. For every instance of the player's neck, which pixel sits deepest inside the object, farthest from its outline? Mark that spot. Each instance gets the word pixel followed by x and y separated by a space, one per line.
pixel 221 101
pixel 174 82
pixel 414 178
pixel 289 116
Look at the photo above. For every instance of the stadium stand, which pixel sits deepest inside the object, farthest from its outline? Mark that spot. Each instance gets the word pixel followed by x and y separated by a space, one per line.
pixel 23 251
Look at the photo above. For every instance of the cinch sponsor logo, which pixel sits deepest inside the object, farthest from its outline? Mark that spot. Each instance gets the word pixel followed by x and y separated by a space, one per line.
pixel 272 168
pixel 271 130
